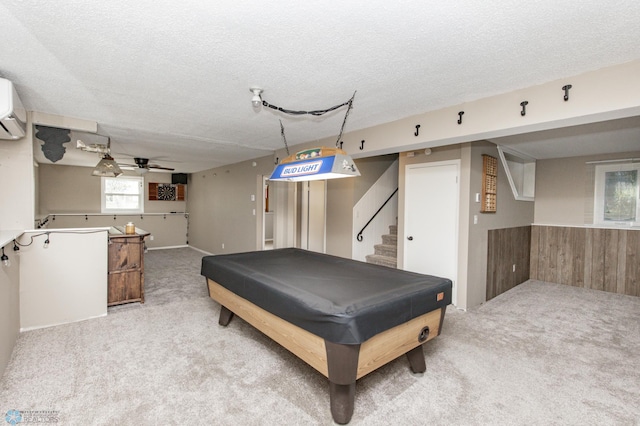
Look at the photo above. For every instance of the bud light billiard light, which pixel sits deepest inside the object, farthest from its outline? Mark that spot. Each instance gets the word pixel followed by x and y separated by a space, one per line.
pixel 315 164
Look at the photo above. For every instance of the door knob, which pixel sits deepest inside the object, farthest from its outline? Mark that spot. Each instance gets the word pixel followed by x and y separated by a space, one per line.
pixel 410 238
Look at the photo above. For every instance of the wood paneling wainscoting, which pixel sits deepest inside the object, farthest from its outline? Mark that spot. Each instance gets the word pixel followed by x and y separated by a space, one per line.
pixel 507 259
pixel 595 258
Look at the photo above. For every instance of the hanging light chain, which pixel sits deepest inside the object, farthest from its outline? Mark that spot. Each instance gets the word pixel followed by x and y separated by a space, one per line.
pixel 284 139
pixel 349 103
pixel 316 112
pixel 344 122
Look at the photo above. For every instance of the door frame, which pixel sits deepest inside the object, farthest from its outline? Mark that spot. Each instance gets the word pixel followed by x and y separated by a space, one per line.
pixel 313 218
pixel 282 196
pixel 458 164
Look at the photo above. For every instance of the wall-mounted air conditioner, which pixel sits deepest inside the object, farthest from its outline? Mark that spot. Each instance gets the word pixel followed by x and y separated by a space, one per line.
pixel 13 116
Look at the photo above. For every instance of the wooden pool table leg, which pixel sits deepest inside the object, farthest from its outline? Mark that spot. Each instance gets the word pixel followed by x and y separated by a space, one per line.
pixel 342 363
pixel 416 355
pixel 225 316
pixel 416 360
pixel 342 399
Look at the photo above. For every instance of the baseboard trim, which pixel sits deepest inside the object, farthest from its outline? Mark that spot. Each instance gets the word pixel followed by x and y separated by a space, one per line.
pixel 167 247
pixel 202 251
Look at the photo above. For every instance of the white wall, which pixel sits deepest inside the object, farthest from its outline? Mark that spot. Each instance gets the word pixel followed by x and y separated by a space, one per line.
pixel 72 190
pixel 167 230
pixel 509 213
pixel 364 209
pixel 472 243
pixel 17 180
pixel 221 208
pixel 9 306
pixel 66 282
pixel 17 200
pixel 599 95
pixel 565 188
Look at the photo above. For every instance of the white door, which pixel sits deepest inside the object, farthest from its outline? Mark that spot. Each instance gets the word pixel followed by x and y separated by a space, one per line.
pixel 431 219
pixel 282 196
pixel 313 214
pixel 268 214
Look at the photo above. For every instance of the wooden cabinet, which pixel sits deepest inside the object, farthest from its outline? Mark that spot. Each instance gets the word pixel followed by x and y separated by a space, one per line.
pixel 126 266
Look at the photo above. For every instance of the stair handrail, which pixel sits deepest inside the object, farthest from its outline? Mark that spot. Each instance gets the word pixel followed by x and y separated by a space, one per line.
pixel 359 237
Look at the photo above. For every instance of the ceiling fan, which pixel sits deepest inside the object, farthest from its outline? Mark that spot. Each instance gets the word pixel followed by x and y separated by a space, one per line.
pixel 142 165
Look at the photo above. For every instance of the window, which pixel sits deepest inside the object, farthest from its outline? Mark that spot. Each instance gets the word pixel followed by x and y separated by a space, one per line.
pixel 617 194
pixel 122 194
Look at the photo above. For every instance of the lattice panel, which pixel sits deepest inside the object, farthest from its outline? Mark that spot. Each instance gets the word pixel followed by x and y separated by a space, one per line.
pixel 489 199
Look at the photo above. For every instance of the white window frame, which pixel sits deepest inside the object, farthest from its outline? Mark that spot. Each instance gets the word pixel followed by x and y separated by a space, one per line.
pixel 598 213
pixel 103 195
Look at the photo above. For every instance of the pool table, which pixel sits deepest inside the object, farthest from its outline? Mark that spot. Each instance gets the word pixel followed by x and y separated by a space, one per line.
pixel 343 317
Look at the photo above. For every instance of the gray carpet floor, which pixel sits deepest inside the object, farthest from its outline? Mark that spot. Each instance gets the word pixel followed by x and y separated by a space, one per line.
pixel 539 354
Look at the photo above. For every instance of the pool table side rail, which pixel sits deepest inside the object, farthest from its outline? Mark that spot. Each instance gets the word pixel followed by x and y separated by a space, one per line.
pixel 374 353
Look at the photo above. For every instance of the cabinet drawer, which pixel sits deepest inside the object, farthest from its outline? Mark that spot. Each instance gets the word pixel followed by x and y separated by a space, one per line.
pixel 124 254
pixel 124 287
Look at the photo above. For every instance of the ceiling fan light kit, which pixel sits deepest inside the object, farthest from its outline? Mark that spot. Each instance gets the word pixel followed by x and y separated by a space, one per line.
pixel 107 167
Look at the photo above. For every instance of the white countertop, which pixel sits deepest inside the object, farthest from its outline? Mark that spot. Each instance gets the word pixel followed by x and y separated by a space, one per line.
pixel 8 235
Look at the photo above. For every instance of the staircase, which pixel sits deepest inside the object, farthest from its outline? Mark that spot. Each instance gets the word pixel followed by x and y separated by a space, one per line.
pixel 386 254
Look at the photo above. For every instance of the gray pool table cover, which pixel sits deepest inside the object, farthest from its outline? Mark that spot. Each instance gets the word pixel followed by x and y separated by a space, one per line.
pixel 341 300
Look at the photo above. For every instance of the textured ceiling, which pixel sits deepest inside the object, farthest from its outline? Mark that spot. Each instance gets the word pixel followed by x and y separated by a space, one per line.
pixel 170 81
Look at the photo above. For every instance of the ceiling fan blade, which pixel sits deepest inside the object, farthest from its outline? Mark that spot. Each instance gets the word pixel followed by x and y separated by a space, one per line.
pixel 155 166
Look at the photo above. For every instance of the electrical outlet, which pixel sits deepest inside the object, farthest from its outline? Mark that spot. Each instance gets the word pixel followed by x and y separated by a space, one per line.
pixel 514 267
pixel 253 197
pixel 222 245
pixel 475 219
pixel 150 237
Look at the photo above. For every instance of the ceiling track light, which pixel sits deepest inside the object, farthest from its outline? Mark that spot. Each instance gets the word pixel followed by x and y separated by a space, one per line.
pixel 256 100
